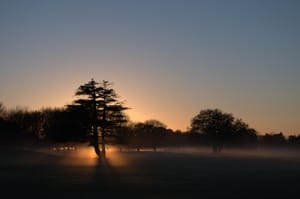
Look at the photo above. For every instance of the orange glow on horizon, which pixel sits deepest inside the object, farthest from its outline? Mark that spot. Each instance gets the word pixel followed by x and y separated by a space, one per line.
pixel 86 156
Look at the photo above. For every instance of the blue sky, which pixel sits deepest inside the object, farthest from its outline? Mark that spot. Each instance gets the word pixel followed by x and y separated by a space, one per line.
pixel 168 59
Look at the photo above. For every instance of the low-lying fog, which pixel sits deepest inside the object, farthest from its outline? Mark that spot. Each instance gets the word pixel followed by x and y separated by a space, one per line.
pixel 168 173
pixel 83 154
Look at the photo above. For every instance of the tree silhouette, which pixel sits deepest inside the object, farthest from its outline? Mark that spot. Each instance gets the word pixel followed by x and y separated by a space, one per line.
pixel 2 110
pixel 222 128
pixel 274 140
pixel 294 140
pixel 243 135
pixel 155 123
pixel 62 125
pixel 8 129
pixel 151 133
pixel 103 110
pixel 215 124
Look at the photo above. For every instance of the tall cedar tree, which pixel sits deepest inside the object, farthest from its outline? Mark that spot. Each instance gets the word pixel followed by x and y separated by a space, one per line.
pixel 105 112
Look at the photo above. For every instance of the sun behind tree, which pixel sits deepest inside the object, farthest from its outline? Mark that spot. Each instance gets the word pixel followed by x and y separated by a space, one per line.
pixel 103 110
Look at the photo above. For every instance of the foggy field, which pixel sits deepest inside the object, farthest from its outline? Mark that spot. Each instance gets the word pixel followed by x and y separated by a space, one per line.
pixel 179 173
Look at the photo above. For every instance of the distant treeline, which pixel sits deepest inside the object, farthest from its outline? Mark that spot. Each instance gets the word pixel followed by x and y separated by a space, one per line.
pixel 209 128
pixel 97 117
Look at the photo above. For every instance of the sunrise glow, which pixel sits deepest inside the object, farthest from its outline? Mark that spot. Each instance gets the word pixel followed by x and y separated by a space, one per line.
pixel 167 66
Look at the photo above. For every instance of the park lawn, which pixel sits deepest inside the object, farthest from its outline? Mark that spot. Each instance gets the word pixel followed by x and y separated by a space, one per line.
pixel 35 174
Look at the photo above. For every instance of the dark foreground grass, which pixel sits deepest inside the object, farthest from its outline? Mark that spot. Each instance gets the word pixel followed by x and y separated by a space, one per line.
pixel 27 174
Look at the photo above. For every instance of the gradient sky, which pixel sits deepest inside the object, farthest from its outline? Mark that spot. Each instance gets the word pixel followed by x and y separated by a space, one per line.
pixel 167 59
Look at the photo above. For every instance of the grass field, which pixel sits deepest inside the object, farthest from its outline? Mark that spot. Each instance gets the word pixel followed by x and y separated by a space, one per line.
pixel 177 173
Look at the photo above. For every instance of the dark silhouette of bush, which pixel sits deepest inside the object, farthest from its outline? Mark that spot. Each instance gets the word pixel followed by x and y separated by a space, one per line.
pixel 294 141
pixel 273 140
pixel 64 125
pixel 149 134
pixel 8 130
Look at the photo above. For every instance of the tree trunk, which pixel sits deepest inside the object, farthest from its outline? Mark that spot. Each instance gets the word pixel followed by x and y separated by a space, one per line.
pixel 96 142
pixel 103 142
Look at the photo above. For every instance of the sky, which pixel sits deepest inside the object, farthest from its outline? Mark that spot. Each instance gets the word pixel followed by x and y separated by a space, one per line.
pixel 167 59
